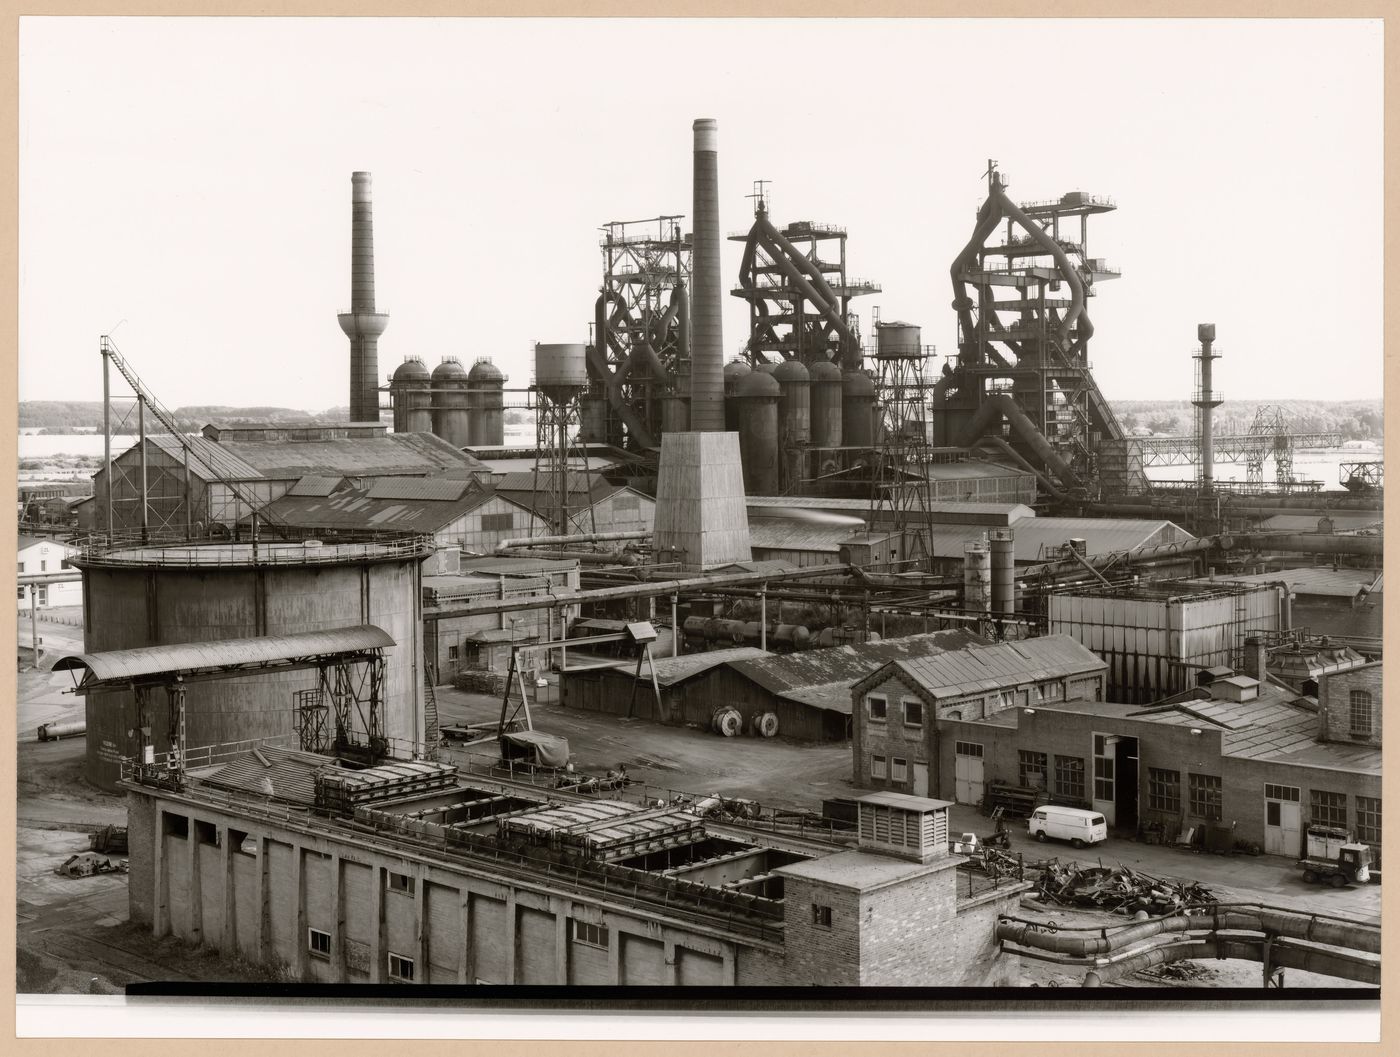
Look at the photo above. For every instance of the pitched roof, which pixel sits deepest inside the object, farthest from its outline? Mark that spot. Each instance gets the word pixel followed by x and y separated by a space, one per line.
pixel 673 670
pixel 208 460
pixel 412 454
pixel 429 489
pixel 356 509
pixel 313 485
pixel 287 775
pixel 521 488
pixel 998 665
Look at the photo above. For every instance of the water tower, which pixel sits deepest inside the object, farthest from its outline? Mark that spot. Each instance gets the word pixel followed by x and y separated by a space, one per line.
pixel 561 376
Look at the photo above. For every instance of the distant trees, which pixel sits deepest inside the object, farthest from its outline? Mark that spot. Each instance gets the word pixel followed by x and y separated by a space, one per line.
pixel 1353 419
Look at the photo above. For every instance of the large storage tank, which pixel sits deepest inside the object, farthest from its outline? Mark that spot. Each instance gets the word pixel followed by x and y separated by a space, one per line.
pixel 758 395
pixel 561 371
pixel 825 379
pixel 858 409
pixel 202 592
pixel 977 577
pixel 794 402
pixel 734 372
pixel 1003 553
pixel 486 398
pixel 412 400
pixel 450 402
pixel 897 341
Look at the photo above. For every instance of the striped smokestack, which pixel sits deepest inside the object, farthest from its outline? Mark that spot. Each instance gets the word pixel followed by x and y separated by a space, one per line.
pixel 362 324
pixel 706 335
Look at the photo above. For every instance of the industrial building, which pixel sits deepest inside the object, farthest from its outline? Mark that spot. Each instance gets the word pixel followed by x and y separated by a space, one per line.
pixel 407 873
pixel 595 504
pixel 1337 601
pixel 38 556
pixel 899 708
pixel 1256 758
pixel 1156 636
pixel 808 693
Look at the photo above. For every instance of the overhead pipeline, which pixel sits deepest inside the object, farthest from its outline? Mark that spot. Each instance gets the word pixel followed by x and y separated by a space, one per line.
pixel 1002 405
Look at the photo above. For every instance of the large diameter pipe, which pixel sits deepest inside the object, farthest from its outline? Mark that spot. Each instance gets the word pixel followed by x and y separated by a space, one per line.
pixel 1002 405
pixel 1279 953
pixel 583 537
pixel 707 338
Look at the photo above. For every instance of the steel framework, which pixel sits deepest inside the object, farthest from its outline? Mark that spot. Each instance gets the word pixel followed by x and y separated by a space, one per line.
pixel 798 291
pixel 900 490
pixel 640 355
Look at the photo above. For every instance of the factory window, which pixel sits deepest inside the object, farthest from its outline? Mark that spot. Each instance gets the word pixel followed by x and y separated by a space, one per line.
pixel 1281 792
pixel 1360 714
pixel 1006 699
pixel 452 655
pixel 1069 776
pixel 1051 692
pixel 1164 790
pixel 43 598
pixel 22 592
pixel 967 748
pixel 43 565
pixel 590 934
pixel 1368 819
pixel 1032 769
pixel 497 522
pixel 1328 809
pixel 913 713
pixel 400 968
pixel 1205 796
pixel 207 833
pixel 241 843
pixel 318 943
pixel 400 882
pixel 177 826
pixel 821 915
pixel 899 770
pixel 877 767
pixel 876 707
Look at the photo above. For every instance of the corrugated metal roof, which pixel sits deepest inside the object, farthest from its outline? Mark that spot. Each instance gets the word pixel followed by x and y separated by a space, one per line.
pixel 317 486
pixel 944 511
pixel 1322 581
pixel 782 535
pixel 1311 522
pixel 971 471
pixel 903 801
pixel 1000 664
pixel 288 775
pixel 672 670
pixel 208 460
pixel 355 509
pixel 399 453
pixel 521 488
pixel 845 664
pixel 431 489
pixel 153 660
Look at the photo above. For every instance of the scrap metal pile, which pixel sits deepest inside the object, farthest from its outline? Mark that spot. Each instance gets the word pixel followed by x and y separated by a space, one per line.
pixel 1120 890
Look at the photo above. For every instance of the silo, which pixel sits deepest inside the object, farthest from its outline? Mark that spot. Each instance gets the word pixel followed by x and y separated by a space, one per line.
pixel 794 423
pixel 485 397
pixel 977 577
pixel 857 409
pixel 758 395
pixel 450 402
pixel 734 372
pixel 826 404
pixel 199 592
pixel 1003 554
pixel 411 398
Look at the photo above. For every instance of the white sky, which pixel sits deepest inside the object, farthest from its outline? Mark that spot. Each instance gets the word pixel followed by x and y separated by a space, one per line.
pixel 191 177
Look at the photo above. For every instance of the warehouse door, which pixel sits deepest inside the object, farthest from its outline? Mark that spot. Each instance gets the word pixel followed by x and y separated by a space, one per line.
pixel 1282 820
pixel 967 773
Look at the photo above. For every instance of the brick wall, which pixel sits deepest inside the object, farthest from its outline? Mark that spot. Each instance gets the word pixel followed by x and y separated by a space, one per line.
pixel 1334 698
pixel 904 927
pixel 890 739
pixel 818 954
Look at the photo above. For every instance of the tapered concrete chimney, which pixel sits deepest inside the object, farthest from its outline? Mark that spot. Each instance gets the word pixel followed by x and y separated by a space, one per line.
pixel 362 324
pixel 706 335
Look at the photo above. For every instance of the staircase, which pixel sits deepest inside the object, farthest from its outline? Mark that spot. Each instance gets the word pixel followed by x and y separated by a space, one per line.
pixel 430 712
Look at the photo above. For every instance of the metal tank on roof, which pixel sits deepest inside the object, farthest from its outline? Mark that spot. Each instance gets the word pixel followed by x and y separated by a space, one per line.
pixel 857 409
pixel 410 395
pixel 758 395
pixel 202 592
pixel 486 399
pixel 825 404
pixel 450 421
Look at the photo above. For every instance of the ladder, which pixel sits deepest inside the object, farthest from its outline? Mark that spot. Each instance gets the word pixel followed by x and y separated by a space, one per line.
pixel 431 732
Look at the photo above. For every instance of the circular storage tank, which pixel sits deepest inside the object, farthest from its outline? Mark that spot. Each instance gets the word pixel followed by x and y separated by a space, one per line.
pixel 561 371
pixel 450 402
pixel 412 400
pixel 794 403
pixel 857 409
pixel 897 341
pixel 734 372
pixel 201 592
pixel 825 378
pixel 485 383
pixel 758 432
pixel 977 577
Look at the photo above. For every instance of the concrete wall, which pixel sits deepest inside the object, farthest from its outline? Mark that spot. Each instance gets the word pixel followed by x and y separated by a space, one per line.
pixel 127 608
pixel 457 924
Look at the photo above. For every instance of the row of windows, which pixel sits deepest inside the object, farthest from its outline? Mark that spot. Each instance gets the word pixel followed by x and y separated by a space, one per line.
pixel 896 770
pixel 878 709
pixel 401 968
pixel 44 565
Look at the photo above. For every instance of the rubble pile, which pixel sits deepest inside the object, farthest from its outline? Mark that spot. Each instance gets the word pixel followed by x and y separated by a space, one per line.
pixel 1120 890
pixel 1179 971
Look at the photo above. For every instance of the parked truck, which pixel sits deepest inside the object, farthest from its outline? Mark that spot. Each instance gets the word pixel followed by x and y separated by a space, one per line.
pixel 1334 858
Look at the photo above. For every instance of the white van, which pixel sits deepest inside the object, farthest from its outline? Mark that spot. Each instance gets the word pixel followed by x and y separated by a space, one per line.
pixel 1073 824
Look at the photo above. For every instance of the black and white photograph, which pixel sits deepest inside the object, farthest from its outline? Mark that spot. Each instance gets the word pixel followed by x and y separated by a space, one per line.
pixel 531 527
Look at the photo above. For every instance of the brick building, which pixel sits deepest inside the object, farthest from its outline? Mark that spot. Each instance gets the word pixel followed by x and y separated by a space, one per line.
pixel 1256 758
pixel 898 709
pixel 409 874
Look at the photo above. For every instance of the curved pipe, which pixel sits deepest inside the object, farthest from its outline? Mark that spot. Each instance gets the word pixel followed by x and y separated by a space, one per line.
pixel 1003 406
pixel 988 217
pixel 1003 448
pixel 1062 261
pixel 1280 953
pixel 1295 926
pixel 800 271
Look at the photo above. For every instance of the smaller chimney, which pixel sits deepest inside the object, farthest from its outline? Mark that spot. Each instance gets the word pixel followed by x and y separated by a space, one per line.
pixel 1256 658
